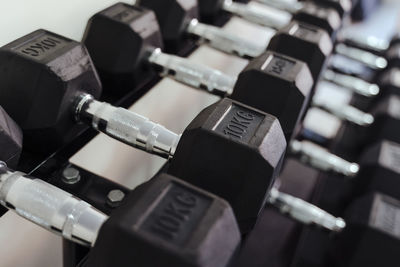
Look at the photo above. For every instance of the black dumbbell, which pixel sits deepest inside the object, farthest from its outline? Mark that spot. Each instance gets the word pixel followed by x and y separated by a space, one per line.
pixel 386 121
pixel 342 7
pixel 393 55
pixel 326 18
pixel 323 14
pixel 288 91
pixel 314 44
pixel 385 81
pixel 167 221
pixel 181 25
pixel 179 223
pixel 385 126
pixel 97 40
pixel 210 11
pixel 227 143
pixel 317 13
pixel 66 74
pixel 371 237
pixel 389 83
pixel 288 80
pixel 175 5
pixel 184 226
pixel 125 45
pixel 378 172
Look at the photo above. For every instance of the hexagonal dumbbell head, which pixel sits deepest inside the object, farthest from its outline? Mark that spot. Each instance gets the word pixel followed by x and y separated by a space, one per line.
pixel 167 222
pixel 380 169
pixel 235 152
pixel 40 74
pixel 389 82
pixel 119 40
pixel 371 237
pixel 387 121
pixel 393 56
pixel 304 42
pixel 174 17
pixel 10 140
pixel 395 39
pixel 343 7
pixel 322 17
pixel 210 9
pixel 280 86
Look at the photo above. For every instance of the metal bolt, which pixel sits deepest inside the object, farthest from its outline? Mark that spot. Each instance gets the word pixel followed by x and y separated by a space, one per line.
pixel 115 197
pixel 71 175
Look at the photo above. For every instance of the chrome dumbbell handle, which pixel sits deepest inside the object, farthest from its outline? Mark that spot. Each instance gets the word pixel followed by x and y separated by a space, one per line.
pixel 126 126
pixel 50 207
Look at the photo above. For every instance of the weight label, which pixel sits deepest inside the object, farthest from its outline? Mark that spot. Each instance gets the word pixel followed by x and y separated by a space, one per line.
pixel 390 156
pixel 303 32
pixel 278 65
pixel 177 214
pixel 239 123
pixel 123 13
pixel 42 46
pixel 386 215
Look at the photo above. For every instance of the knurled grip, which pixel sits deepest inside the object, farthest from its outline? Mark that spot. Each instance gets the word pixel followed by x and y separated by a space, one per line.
pixel 224 41
pixel 289 6
pixel 352 83
pixel 322 159
pixel 50 207
pixel 305 212
pixel 255 15
pixel 367 58
pixel 345 112
pixel 196 75
pixel 127 126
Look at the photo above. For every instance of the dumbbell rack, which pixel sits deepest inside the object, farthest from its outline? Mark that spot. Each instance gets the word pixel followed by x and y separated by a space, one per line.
pixel 94 189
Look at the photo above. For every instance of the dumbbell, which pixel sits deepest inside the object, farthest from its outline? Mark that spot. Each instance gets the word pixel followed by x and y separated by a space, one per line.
pixel 371 237
pixel 392 56
pixel 384 123
pixel 366 51
pixel 103 52
pixel 186 25
pixel 322 16
pixel 125 45
pixel 180 224
pixel 284 99
pixel 211 10
pixel 378 171
pixel 342 7
pixel 227 143
pixel 314 44
pixel 183 226
pixel 385 126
